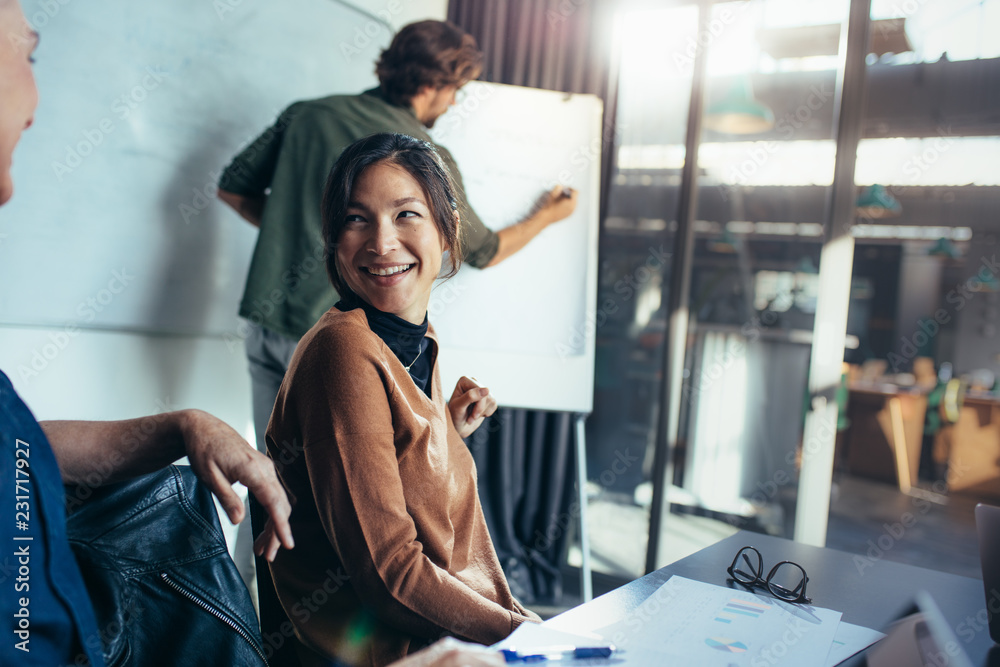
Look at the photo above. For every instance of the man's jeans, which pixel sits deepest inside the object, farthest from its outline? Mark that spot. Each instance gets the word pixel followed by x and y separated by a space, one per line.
pixel 268 355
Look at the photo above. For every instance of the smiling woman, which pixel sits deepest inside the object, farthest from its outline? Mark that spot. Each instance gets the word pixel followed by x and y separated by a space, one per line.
pixel 369 445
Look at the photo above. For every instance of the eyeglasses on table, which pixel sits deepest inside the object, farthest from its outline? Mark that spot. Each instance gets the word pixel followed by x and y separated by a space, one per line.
pixel 786 580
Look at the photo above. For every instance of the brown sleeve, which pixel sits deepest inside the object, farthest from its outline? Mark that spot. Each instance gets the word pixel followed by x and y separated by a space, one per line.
pixel 526 613
pixel 351 461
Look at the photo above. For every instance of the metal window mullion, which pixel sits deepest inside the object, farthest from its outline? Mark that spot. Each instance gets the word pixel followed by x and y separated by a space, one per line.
pixel 836 264
pixel 678 298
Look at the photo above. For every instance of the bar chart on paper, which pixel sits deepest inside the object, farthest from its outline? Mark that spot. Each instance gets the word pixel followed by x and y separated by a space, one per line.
pixel 737 608
pixel 689 622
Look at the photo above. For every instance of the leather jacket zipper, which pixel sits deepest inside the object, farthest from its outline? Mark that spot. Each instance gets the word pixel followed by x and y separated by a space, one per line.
pixel 214 611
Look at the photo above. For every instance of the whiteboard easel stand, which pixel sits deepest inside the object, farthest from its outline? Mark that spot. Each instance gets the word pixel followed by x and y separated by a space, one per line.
pixel 586 578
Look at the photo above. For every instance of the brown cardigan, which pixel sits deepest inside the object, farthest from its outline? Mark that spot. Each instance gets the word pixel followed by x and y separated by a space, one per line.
pixel 392 550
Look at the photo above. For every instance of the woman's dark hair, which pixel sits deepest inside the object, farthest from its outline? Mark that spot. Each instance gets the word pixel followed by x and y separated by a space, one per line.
pixel 421 160
pixel 427 53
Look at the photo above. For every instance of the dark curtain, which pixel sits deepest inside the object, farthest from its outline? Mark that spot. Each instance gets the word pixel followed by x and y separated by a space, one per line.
pixel 526 458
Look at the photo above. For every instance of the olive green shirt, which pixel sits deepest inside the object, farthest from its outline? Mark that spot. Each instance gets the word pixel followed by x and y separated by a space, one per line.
pixel 288 289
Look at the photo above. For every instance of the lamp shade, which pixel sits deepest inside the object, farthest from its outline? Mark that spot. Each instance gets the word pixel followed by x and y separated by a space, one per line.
pixel 877 202
pixel 943 247
pixel 727 243
pixel 738 112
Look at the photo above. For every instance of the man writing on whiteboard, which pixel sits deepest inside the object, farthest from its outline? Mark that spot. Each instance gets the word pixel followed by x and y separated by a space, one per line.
pixel 277 182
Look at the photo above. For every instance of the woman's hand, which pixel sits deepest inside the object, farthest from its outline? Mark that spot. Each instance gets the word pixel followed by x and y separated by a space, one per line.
pixel 470 404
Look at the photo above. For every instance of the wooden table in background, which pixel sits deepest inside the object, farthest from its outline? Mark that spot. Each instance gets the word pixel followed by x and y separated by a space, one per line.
pixel 971 448
pixel 885 434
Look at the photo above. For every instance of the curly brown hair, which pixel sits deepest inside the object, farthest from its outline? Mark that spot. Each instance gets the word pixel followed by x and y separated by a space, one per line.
pixel 427 53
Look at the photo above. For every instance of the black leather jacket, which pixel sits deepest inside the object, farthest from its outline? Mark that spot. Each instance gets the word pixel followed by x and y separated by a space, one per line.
pixel 164 589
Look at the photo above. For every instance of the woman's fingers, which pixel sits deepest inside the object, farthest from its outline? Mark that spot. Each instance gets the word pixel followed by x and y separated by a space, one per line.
pixel 470 404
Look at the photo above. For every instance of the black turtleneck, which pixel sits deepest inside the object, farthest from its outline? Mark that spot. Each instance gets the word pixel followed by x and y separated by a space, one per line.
pixel 406 340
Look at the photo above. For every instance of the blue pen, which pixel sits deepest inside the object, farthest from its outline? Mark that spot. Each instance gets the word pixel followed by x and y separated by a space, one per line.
pixel 554 653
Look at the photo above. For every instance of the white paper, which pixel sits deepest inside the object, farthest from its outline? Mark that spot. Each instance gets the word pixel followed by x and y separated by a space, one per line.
pixel 687 622
pixel 849 640
pixel 531 636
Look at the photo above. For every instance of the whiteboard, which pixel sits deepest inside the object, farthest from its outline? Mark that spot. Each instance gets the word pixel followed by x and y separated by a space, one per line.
pixel 524 328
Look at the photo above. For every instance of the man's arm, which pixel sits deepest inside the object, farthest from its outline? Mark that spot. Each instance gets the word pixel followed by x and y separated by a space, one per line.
pixel 557 205
pixel 244 183
pixel 249 208
pixel 102 452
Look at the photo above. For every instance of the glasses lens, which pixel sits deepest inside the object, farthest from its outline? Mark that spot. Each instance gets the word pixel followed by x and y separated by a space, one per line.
pixel 747 566
pixel 787 581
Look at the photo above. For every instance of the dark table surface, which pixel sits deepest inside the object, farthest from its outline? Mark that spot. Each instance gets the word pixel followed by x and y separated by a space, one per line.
pixel 868 590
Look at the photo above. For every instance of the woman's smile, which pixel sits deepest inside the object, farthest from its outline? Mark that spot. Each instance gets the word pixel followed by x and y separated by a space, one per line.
pixel 387 271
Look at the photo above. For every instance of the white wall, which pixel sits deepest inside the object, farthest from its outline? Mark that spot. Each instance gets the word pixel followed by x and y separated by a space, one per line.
pixel 70 366
pixel 400 12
